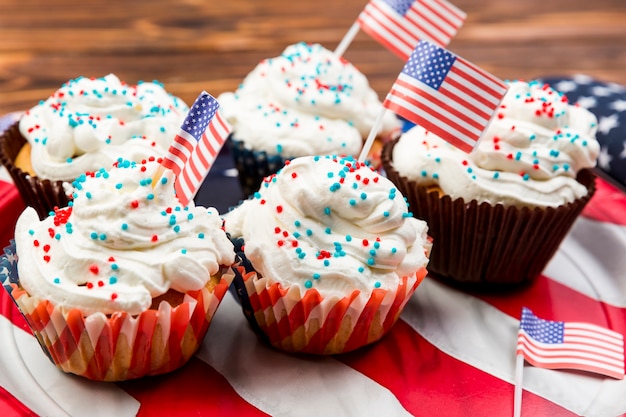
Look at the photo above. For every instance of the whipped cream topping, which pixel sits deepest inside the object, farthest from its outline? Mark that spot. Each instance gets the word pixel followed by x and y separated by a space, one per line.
pixel 90 122
pixel 120 243
pixel 529 154
pixel 307 101
pixel 332 224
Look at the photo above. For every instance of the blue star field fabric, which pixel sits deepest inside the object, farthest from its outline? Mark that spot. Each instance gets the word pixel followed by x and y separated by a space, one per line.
pixel 608 102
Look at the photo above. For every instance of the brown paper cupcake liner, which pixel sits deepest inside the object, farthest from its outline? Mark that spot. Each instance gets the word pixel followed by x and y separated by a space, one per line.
pixel 41 194
pixel 488 246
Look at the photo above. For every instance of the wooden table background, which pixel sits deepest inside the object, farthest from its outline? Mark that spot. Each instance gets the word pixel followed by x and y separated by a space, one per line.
pixel 191 45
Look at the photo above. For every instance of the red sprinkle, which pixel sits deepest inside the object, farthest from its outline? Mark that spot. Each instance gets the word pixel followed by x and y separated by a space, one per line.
pixel 155 238
pixel 113 296
pixel 134 204
pixel 279 209
pixel 94 269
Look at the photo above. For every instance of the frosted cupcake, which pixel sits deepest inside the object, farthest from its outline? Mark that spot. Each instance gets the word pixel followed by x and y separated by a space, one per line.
pixel 83 126
pixel 123 282
pixel 307 101
pixel 330 255
pixel 498 214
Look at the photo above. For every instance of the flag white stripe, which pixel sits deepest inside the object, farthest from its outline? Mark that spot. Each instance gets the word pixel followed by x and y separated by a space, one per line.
pixel 489 80
pixel 554 349
pixel 455 323
pixel 588 328
pixel 253 370
pixel 421 113
pixel 431 24
pixel 474 82
pixel 568 357
pixel 429 92
pixel 453 14
pixel 580 260
pixel 389 28
pixel 593 339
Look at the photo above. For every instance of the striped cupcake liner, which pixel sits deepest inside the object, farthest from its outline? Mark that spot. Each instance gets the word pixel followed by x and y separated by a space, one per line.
pixel 118 346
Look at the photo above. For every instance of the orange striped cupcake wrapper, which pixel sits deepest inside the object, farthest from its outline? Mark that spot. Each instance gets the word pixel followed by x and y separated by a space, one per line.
pixel 120 346
pixel 309 323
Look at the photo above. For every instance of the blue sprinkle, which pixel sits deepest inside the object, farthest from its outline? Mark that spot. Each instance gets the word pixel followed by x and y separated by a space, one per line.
pixel 93 235
pixel 308 284
pixel 124 226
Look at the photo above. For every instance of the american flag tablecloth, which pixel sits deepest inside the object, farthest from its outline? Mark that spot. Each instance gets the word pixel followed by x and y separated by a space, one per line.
pixel 451 354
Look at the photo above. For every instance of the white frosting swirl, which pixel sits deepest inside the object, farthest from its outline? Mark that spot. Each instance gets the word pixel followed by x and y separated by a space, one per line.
pixel 332 224
pixel 120 244
pixel 90 122
pixel 529 155
pixel 307 101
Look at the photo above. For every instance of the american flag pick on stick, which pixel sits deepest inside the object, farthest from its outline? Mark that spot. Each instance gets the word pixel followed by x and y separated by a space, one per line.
pixel 446 95
pixel 399 24
pixel 196 146
pixel 566 345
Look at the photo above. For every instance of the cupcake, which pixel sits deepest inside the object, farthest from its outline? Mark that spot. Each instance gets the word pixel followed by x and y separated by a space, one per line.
pixel 498 214
pixel 307 101
pixel 330 255
pixel 124 281
pixel 83 126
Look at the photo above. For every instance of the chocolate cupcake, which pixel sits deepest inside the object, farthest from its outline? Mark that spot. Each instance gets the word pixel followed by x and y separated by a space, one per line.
pixel 83 126
pixel 498 214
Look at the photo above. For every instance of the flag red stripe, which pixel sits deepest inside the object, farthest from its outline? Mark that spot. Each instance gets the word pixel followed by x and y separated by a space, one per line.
pixel 476 84
pixel 565 350
pixel 536 357
pixel 417 19
pixel 463 115
pixel 469 90
pixel 564 302
pixel 436 118
pixel 413 369
pixel 398 32
pixel 445 12
pixel 403 54
pixel 428 124
pixel 196 389
pixel 12 407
